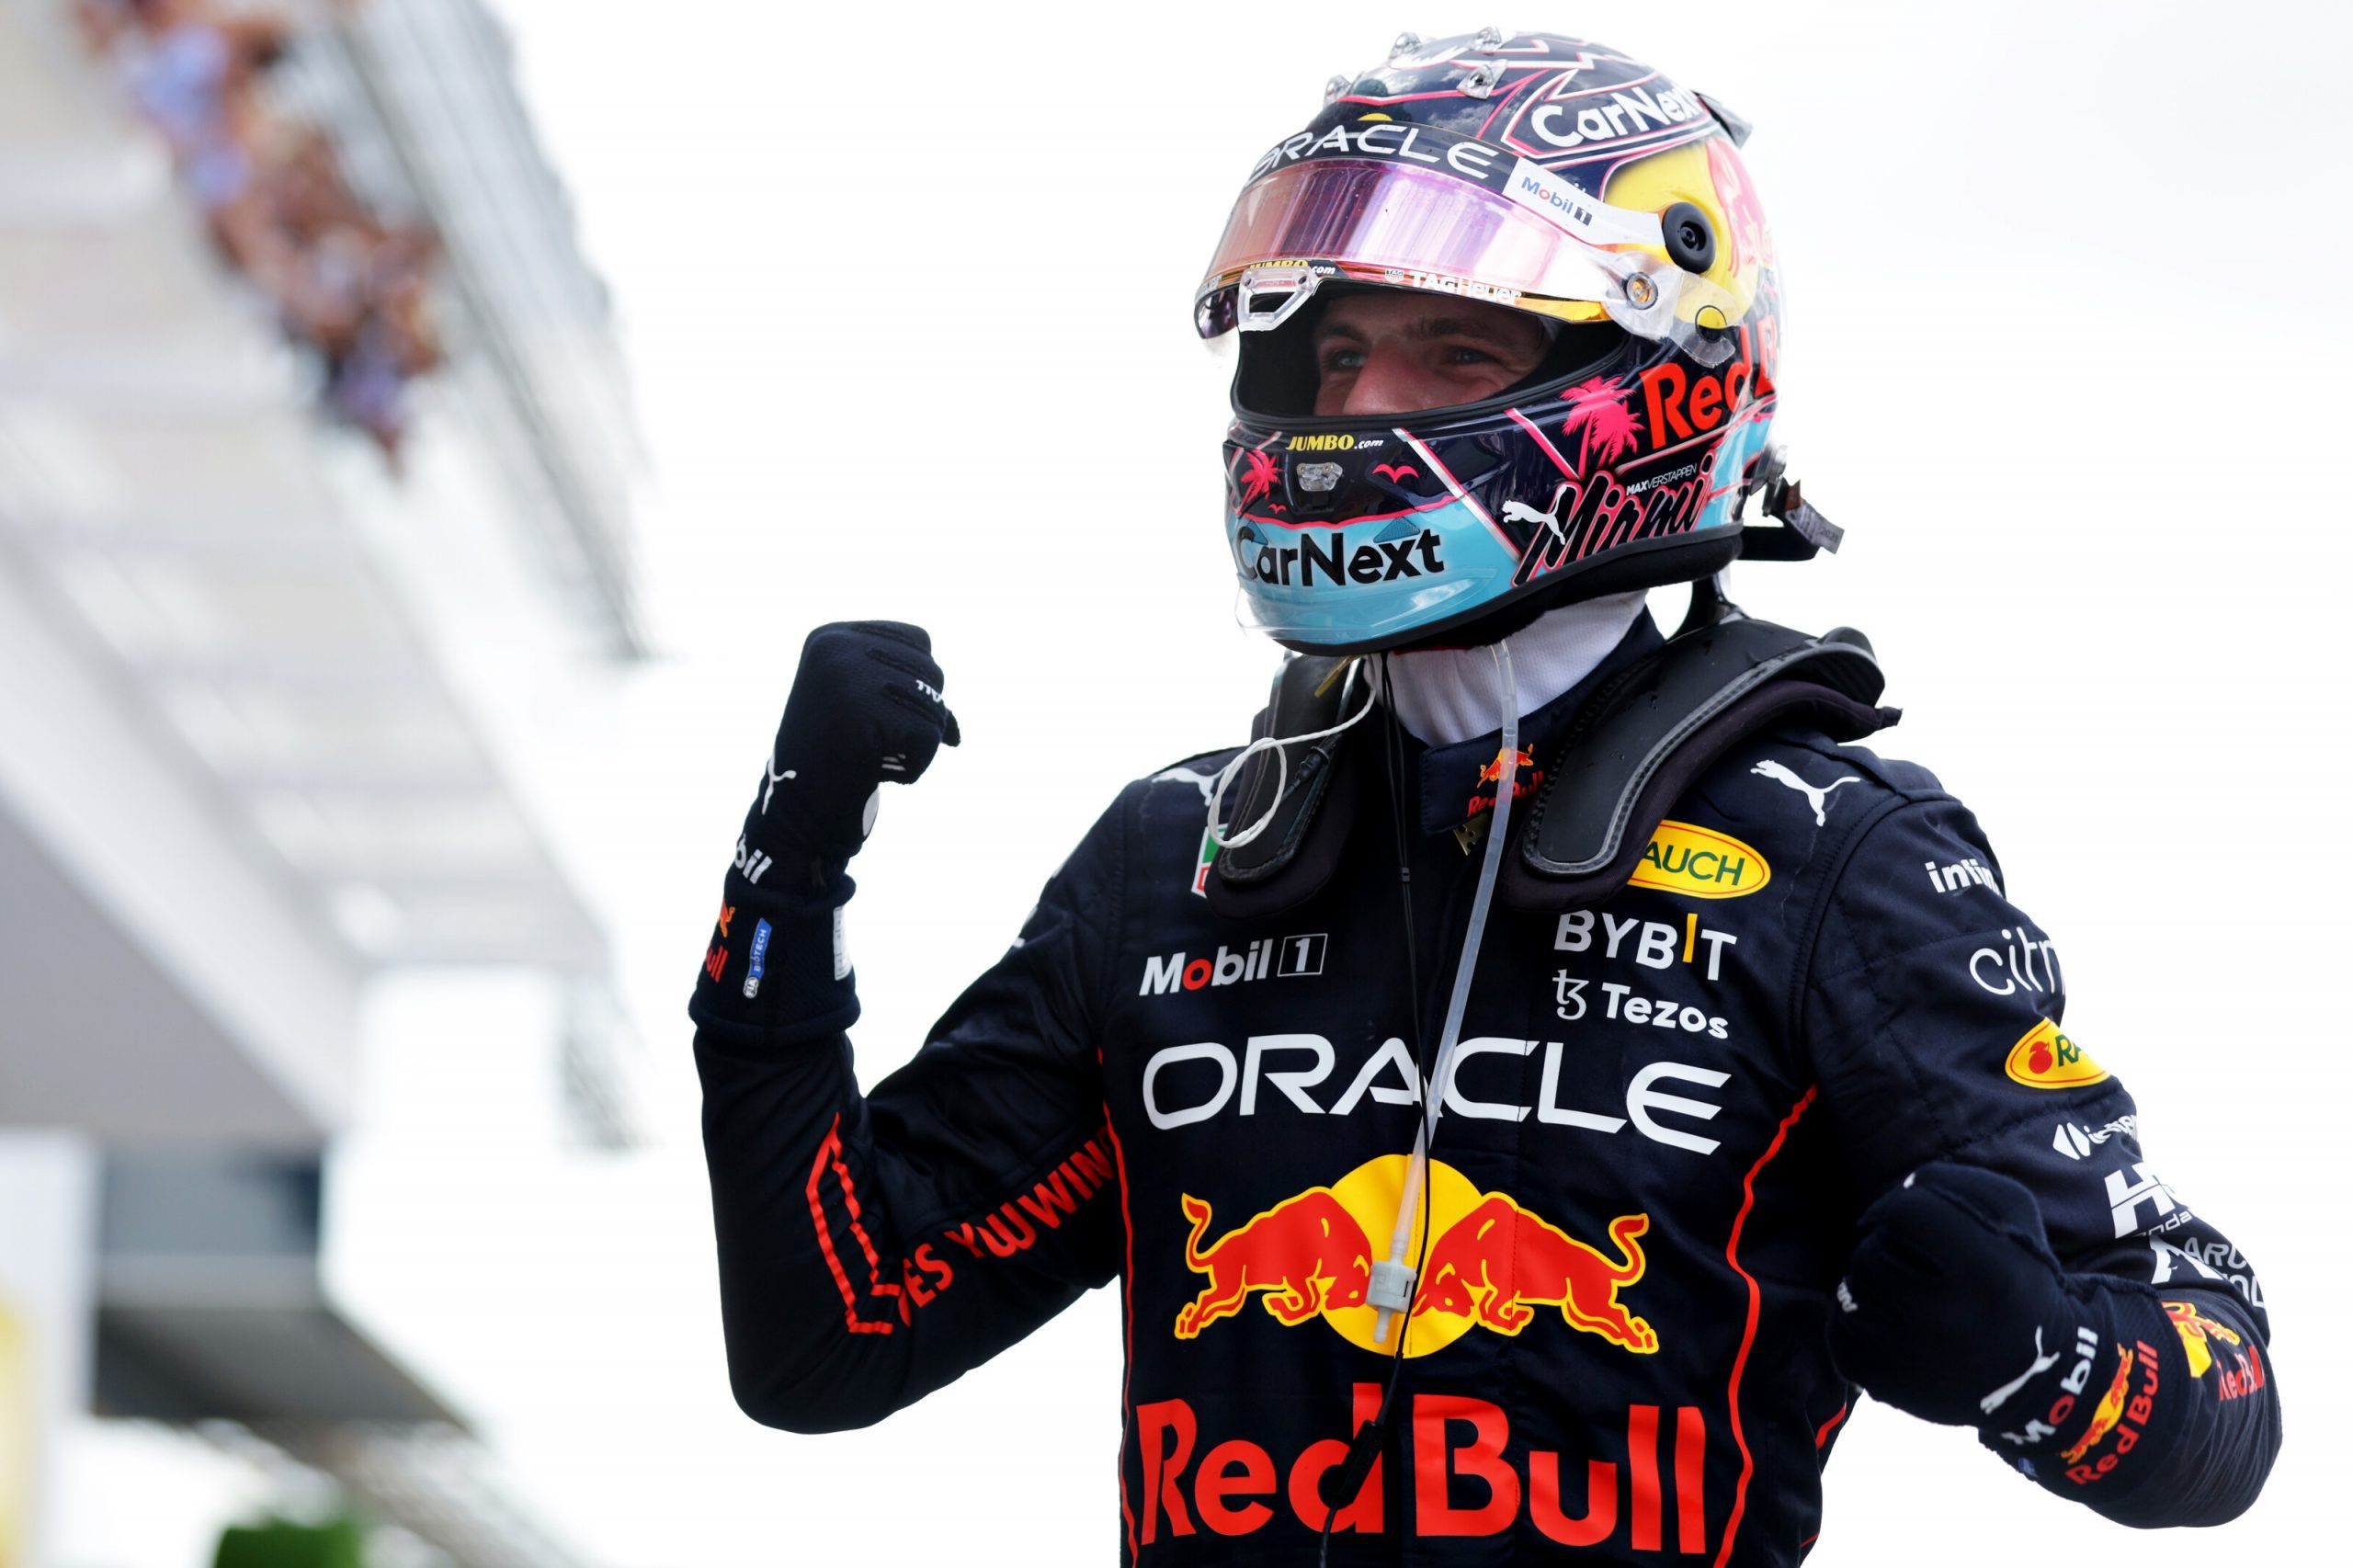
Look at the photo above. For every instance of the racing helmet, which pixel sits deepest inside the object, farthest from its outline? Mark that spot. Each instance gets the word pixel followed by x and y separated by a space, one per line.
pixel 1543 173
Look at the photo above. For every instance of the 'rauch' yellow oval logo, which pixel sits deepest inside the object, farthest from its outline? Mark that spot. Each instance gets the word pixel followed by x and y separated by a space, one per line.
pixel 2045 1059
pixel 1699 863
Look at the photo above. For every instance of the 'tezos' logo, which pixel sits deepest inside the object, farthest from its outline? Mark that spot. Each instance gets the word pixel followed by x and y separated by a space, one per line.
pixel 1698 862
pixel 1285 957
pixel 2046 1058
pixel 1489 1265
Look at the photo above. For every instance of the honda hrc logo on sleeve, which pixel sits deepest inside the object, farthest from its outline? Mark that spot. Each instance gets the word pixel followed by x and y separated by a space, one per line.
pixel 1280 956
pixel 2130 1188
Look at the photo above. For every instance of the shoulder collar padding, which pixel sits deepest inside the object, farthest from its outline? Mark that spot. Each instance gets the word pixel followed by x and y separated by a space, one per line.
pixel 1270 873
pixel 1641 743
pixel 1648 736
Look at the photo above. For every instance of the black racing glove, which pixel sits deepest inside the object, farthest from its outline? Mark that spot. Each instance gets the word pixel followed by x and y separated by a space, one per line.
pixel 865 709
pixel 1954 1309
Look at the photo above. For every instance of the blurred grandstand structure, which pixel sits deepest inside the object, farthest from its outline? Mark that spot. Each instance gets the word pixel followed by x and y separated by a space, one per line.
pixel 349 286
pixel 267 706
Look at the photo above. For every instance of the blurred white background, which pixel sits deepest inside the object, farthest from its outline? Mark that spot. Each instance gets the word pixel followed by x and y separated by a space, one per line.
pixel 906 294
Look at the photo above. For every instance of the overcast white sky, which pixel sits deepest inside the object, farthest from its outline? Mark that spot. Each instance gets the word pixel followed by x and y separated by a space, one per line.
pixel 907 298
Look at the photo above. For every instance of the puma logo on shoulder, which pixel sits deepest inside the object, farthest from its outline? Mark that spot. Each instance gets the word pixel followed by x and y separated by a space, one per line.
pixel 1819 797
pixel 1204 782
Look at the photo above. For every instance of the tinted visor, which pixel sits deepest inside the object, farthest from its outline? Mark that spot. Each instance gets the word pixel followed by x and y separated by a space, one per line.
pixel 1419 227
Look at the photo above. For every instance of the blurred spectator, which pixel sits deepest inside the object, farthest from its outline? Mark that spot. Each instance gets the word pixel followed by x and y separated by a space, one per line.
pixel 275 199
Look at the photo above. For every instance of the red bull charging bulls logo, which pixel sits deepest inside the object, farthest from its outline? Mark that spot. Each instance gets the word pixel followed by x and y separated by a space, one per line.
pixel 1489 1264
pixel 1499 1257
pixel 1308 1252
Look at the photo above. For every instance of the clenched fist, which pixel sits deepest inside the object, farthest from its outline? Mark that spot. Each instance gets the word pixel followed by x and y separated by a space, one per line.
pixel 866 709
pixel 1954 1308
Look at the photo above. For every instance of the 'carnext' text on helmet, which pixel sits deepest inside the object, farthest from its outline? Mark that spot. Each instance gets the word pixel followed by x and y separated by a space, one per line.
pixel 1327 554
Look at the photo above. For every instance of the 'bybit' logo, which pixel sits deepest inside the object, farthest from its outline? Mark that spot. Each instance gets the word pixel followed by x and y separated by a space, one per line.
pixel 1699 862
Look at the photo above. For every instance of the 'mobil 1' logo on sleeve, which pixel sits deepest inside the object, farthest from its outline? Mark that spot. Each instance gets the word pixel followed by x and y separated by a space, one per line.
pixel 1699 862
pixel 2046 1058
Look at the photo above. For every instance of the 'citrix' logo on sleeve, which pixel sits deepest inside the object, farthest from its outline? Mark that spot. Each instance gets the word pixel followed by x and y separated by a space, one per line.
pixel 1269 955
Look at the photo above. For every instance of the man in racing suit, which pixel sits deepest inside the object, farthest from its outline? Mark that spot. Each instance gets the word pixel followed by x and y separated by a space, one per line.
pixel 1678 1156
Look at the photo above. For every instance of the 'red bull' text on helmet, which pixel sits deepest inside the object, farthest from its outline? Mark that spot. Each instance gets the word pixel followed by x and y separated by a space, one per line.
pixel 1534 172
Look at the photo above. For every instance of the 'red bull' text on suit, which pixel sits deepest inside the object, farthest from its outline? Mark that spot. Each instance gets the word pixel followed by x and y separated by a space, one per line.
pixel 1666 1115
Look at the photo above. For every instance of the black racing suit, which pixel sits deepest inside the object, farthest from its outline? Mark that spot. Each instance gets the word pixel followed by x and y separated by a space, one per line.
pixel 1665 1114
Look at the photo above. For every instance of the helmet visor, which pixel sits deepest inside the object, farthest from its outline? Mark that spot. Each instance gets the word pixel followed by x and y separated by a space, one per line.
pixel 1526 238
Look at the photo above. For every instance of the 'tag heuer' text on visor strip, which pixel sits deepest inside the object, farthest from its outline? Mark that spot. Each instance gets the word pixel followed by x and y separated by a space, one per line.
pixel 1462 211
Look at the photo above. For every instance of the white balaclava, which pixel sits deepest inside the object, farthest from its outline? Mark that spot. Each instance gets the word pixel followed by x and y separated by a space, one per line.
pixel 1446 695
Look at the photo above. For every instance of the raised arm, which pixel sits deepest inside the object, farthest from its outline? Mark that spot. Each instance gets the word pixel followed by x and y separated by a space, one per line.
pixel 873 1247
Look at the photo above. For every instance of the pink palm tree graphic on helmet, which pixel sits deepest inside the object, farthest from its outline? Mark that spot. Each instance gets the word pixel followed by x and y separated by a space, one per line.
pixel 1258 475
pixel 1605 429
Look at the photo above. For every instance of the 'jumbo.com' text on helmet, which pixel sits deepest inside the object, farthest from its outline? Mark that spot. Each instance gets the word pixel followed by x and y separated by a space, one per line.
pixel 1547 175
